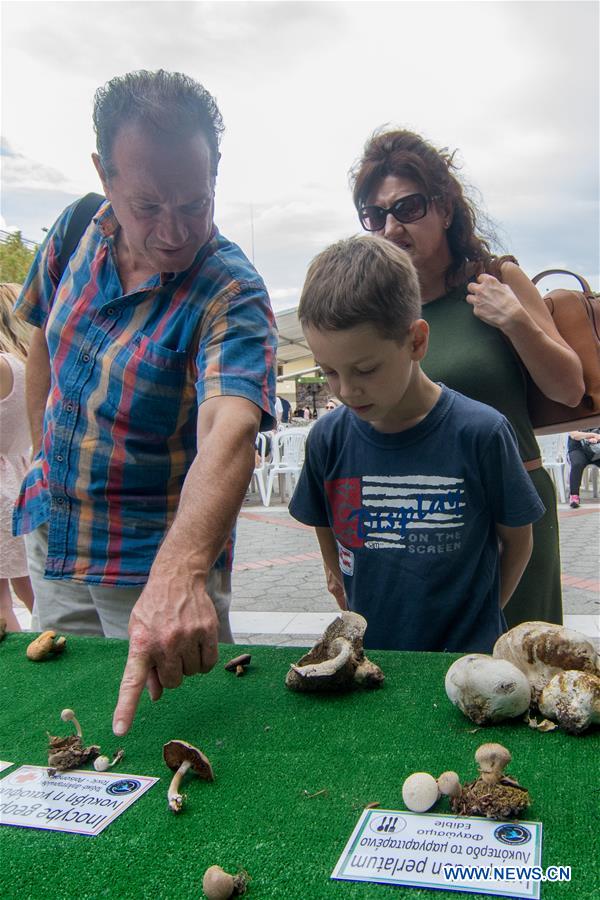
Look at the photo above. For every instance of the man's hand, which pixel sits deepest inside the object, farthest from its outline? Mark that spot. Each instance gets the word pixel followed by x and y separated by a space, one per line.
pixel 172 633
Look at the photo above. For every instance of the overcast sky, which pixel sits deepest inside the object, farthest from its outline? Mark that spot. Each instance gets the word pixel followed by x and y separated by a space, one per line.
pixel 301 86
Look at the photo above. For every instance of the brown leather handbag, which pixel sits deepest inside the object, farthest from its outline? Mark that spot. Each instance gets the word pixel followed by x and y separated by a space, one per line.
pixel 576 315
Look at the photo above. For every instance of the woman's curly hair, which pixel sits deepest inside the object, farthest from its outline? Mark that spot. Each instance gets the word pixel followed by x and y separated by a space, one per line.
pixel 407 155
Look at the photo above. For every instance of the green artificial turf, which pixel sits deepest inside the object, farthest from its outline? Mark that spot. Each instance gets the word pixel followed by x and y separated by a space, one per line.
pixel 270 749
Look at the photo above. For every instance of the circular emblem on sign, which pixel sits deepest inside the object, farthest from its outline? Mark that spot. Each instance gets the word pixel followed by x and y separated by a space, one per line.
pixel 123 786
pixel 513 834
pixel 390 824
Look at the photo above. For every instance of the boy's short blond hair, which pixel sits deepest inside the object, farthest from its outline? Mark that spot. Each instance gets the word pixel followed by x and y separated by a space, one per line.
pixel 361 281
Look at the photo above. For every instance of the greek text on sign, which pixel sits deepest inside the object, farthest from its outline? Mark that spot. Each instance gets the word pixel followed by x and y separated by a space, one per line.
pixel 449 852
pixel 74 801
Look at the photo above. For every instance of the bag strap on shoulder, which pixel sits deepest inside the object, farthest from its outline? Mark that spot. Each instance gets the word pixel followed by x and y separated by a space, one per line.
pixel 584 285
pixel 80 219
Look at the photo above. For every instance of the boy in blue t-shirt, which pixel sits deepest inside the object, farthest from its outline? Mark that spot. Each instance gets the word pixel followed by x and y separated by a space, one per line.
pixel 420 501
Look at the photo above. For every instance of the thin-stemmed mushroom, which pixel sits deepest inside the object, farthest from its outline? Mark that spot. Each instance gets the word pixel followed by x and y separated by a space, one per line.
pixel 103 763
pixel 69 752
pixel 182 757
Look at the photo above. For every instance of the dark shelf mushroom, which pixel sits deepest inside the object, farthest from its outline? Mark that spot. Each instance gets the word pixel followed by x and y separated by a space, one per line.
pixel 239 664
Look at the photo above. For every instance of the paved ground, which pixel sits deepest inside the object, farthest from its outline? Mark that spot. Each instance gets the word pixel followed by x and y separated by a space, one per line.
pixel 279 590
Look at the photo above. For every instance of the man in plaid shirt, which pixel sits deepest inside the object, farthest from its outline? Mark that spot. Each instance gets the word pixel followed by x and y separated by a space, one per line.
pixel 149 375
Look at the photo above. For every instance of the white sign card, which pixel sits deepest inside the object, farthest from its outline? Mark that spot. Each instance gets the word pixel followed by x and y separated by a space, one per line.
pixel 74 801
pixel 444 852
pixel 5 765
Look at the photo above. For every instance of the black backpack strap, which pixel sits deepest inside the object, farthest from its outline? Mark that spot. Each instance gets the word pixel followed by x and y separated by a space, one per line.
pixel 80 219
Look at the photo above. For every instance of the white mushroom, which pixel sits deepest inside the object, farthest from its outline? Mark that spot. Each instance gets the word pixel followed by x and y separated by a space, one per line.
pixel 486 689
pixel 420 792
pixel 542 650
pixel 103 763
pixel 573 700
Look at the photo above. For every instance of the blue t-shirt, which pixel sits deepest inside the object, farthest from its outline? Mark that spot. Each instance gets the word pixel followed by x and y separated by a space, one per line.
pixel 414 517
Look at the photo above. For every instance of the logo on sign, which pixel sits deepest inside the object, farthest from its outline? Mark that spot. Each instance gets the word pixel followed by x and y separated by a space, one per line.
pixel 387 824
pixel 513 834
pixel 123 786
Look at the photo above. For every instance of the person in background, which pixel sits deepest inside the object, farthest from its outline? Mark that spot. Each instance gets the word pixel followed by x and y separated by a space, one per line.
pixel 580 457
pixel 332 403
pixel 487 320
pixel 15 444
pixel 286 410
pixel 411 487
pixel 151 369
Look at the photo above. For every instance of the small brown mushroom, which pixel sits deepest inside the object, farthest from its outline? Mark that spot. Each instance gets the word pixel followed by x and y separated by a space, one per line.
pixel 493 794
pixel 449 784
pixel 181 757
pixel 218 884
pixel 44 645
pixel 239 664
pixel 492 759
pixel 337 662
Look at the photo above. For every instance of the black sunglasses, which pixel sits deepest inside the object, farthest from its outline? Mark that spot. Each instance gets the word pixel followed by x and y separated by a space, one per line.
pixel 405 210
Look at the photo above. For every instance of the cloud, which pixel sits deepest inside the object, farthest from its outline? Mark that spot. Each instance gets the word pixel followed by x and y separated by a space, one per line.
pixel 20 172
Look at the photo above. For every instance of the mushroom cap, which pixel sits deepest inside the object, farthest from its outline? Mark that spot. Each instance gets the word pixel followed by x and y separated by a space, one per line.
pixel 420 791
pixel 448 783
pixel 243 660
pixel 67 715
pixel 177 752
pixel 492 755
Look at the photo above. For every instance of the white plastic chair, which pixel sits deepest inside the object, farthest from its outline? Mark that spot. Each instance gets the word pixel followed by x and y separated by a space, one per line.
pixel 554 459
pixel 287 450
pixel 260 471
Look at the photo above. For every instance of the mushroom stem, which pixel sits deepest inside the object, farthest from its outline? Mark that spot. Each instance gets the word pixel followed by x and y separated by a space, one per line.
pixel 492 759
pixel 174 797
pixel 67 715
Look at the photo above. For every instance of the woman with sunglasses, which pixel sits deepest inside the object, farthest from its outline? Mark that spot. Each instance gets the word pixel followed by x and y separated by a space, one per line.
pixel 487 320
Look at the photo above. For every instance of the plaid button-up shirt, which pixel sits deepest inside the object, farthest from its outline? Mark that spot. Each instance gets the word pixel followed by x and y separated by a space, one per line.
pixel 128 372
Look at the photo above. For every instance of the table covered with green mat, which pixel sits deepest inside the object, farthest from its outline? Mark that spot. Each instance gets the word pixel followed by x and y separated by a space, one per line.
pixel 293 773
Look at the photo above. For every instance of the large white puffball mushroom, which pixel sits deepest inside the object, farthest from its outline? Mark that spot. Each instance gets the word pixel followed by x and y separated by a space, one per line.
pixel 420 792
pixel 486 689
pixel 542 650
pixel 573 700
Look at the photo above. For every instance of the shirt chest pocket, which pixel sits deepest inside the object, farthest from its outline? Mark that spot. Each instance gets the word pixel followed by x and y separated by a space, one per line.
pixel 145 386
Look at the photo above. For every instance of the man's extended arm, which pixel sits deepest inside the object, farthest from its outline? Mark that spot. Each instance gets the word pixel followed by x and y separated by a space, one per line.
pixel 173 626
pixel 37 386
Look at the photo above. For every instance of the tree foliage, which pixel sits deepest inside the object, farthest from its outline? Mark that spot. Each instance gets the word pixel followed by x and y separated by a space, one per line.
pixel 15 258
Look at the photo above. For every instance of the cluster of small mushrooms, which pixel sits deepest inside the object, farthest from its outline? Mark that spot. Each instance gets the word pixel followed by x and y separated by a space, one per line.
pixel 493 794
pixel 337 662
pixel 534 666
pixel 69 752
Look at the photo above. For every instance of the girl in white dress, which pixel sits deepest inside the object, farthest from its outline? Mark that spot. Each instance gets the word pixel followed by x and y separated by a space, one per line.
pixel 14 453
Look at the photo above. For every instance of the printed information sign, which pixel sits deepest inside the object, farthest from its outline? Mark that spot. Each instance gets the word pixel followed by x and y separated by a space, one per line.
pixel 453 853
pixel 74 801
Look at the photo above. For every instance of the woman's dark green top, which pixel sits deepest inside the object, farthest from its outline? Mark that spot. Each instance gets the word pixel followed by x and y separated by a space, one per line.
pixel 476 359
